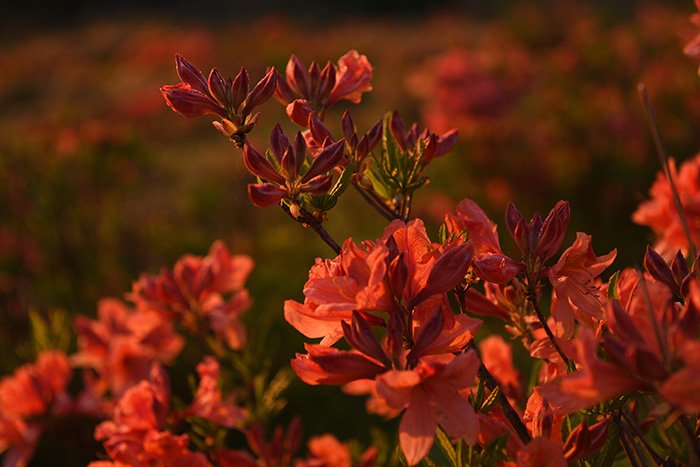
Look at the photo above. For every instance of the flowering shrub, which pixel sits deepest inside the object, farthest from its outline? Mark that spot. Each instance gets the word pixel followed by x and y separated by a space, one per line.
pixel 426 328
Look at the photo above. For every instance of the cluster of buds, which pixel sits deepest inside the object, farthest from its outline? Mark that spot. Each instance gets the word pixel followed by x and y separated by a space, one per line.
pixel 281 175
pixel 538 240
pixel 230 99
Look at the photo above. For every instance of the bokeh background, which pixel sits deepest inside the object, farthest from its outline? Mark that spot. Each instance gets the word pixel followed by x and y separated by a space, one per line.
pixel 100 181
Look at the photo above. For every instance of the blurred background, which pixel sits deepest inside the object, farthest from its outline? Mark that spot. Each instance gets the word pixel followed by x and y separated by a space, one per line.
pixel 100 181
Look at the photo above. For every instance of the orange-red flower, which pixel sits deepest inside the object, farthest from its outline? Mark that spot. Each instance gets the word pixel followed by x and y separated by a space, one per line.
pixel 433 392
pixel 314 90
pixel 661 215
pixel 123 343
pixel 208 401
pixel 575 295
pixel 196 290
pixel 28 398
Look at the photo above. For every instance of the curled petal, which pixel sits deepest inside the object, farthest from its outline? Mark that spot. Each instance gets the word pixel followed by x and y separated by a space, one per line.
pixel 261 92
pixel 328 158
pixel 318 185
pixel 326 365
pixel 217 87
pixel 190 74
pixel 299 111
pixel 353 77
pixel 259 166
pixel 447 271
pixel 265 194
pixel 184 99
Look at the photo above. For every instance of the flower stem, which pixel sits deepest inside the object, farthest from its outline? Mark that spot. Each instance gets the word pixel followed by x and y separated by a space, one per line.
pixel 375 203
pixel 663 158
pixel 307 219
pixel 637 431
pixel 531 297
pixel 508 412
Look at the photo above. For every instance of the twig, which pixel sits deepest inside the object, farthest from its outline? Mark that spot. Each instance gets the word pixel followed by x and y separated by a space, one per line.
pixel 657 458
pixel 508 411
pixel 376 204
pixel 627 444
pixel 692 440
pixel 654 322
pixel 663 158
pixel 531 297
pixel 307 219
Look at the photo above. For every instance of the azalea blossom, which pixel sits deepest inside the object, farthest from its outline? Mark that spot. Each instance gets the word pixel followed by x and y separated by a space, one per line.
pixel 123 343
pixel 204 293
pixel 661 215
pixel 432 393
pixel 394 275
pixel 33 394
pixel 314 89
pixel 575 295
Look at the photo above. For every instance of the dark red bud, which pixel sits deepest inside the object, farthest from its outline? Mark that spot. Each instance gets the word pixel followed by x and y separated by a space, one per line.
pixel 398 130
pixel 190 74
pixel 259 166
pixel 241 85
pixel 449 269
pixel 659 270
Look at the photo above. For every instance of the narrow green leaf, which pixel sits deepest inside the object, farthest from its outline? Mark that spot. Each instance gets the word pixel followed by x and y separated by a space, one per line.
pixel 446 447
pixel 612 286
pixel 491 400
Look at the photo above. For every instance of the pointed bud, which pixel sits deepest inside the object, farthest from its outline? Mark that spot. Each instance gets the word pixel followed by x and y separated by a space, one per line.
pixel 259 166
pixel 283 92
pixel 318 130
pixel 261 92
pixel 553 231
pixel 240 87
pixel 190 74
pixel 360 337
pixel 327 82
pixel 278 142
pixel 314 78
pixel 518 228
pixel 584 440
pixel 398 130
pixel 298 77
pixel 429 331
pixel 326 160
pixel 217 87
pixel 659 270
pixel 299 111
pixel 679 266
pixel 190 102
pixel 448 271
pixel 348 126
pixel 318 185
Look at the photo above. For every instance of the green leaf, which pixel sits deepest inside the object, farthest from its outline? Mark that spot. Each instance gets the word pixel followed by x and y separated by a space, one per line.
pixel 446 447
pixel 343 181
pixel 613 293
pixel 606 455
pixel 491 400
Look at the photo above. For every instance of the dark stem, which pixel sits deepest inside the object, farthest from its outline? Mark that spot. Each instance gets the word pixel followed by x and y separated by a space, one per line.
pixel 376 204
pixel 543 321
pixel 307 219
pixel 657 458
pixel 692 440
pixel 663 158
pixel 508 411
pixel 626 442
